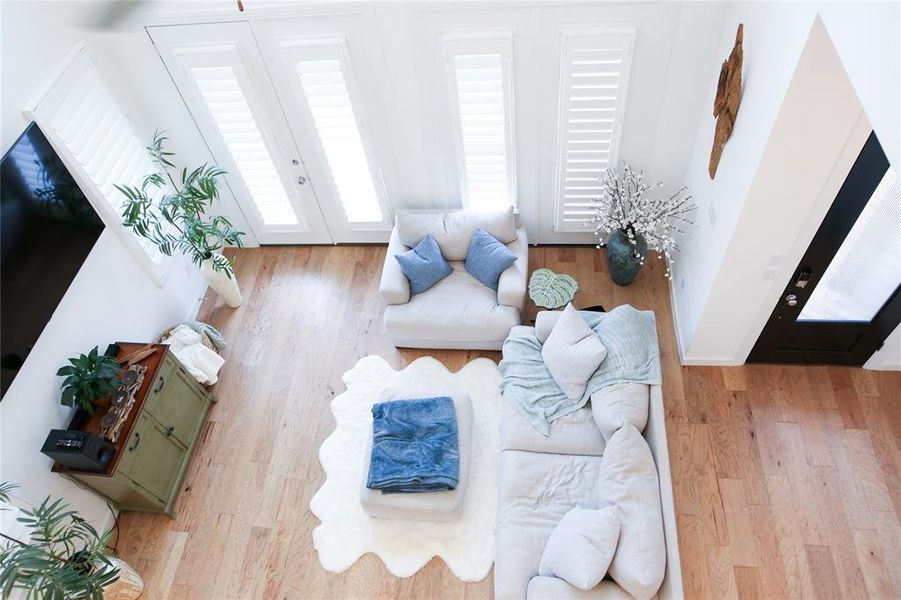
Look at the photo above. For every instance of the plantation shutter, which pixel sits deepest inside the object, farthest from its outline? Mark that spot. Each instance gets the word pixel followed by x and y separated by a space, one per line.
pixel 337 115
pixel 229 109
pixel 98 145
pixel 594 78
pixel 481 82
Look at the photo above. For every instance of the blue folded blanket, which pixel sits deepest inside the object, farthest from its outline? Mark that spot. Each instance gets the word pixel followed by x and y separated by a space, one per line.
pixel 414 446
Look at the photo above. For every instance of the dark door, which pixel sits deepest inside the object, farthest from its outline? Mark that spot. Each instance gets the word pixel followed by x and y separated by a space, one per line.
pixel 844 298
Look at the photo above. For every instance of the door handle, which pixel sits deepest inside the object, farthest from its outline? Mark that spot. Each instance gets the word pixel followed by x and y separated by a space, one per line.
pixel 791 300
pixel 803 278
pixel 160 385
pixel 137 441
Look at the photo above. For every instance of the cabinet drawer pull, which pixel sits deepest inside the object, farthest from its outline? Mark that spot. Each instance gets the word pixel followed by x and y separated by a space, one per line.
pixel 170 430
pixel 137 441
pixel 160 385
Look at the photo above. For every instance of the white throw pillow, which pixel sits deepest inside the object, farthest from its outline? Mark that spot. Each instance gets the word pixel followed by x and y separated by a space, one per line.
pixel 581 546
pixel 572 353
pixel 628 480
pixel 615 405
pixel 453 229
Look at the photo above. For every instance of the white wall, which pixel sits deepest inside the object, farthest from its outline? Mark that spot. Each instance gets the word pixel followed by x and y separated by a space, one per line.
pixel 112 298
pixel 794 127
pixel 406 83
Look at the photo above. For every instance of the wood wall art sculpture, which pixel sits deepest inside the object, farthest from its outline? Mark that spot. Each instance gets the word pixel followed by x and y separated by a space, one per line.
pixel 728 97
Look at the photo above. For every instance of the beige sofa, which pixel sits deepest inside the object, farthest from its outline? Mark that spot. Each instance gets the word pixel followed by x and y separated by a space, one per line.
pixel 458 312
pixel 542 478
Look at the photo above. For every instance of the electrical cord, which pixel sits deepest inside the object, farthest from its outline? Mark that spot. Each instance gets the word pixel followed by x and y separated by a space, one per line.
pixel 115 528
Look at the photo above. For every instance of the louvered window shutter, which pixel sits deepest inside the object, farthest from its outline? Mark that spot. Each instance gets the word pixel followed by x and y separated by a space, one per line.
pixel 228 107
pixel 593 83
pixel 98 144
pixel 324 81
pixel 480 74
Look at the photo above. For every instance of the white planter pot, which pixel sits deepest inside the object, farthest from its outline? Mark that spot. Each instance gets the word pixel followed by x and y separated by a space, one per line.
pixel 129 586
pixel 225 286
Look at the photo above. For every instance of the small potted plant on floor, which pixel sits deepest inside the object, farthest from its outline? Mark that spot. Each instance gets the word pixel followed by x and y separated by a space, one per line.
pixel 632 220
pixel 62 558
pixel 88 377
pixel 172 216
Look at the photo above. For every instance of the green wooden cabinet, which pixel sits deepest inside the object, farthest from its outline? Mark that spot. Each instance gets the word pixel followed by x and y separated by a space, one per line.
pixel 154 455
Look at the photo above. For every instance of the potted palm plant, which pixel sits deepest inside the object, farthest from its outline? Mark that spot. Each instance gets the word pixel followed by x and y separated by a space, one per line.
pixel 63 557
pixel 172 216
pixel 630 220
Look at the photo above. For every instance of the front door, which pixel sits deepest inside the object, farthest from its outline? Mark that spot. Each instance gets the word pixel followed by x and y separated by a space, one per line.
pixel 844 298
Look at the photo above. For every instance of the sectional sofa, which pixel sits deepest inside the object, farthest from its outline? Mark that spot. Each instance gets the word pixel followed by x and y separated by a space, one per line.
pixel 542 478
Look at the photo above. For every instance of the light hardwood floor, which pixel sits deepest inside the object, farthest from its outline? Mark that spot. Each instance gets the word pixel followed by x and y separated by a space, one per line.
pixel 787 479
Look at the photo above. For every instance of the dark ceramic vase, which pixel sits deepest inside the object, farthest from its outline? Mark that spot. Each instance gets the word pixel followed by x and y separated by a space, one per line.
pixel 624 259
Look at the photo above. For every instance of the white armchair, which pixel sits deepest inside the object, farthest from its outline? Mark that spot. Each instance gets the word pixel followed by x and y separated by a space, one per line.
pixel 458 312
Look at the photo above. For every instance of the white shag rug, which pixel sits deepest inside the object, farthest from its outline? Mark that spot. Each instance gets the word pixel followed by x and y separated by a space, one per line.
pixel 346 532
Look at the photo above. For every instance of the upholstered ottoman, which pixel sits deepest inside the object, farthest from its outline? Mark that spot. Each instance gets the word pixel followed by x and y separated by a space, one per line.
pixel 425 506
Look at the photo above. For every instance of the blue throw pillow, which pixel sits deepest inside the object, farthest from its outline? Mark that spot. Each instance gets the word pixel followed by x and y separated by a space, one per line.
pixel 423 265
pixel 488 258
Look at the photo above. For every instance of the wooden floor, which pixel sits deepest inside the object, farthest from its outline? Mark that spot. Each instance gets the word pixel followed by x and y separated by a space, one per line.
pixel 787 479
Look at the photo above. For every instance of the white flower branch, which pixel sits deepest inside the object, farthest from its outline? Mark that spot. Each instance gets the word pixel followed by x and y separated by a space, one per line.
pixel 626 205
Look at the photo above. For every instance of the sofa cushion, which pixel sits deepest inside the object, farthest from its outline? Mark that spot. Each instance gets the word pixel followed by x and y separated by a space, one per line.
pixel 457 312
pixel 534 492
pixel 574 433
pixel 453 229
pixel 615 405
pixel 546 319
pixel 423 265
pixel 628 480
pixel 551 588
pixel 487 258
pixel 572 353
pixel 581 546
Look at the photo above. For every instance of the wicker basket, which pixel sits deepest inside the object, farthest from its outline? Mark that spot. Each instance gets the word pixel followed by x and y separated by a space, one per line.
pixel 204 338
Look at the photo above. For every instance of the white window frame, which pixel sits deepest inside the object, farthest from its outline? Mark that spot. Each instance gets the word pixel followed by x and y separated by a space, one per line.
pixel 333 47
pixel 484 42
pixel 628 34
pixel 75 63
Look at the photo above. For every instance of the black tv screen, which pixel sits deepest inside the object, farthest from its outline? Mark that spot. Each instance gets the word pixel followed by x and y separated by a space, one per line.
pixel 47 230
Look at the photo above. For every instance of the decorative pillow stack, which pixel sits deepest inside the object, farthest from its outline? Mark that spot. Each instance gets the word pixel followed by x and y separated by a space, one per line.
pixel 572 353
pixel 486 256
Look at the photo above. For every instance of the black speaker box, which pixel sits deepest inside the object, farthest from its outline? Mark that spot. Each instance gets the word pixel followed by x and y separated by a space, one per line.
pixel 79 450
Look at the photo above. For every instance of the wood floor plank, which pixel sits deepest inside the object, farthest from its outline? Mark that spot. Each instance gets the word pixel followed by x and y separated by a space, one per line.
pixel 786 479
pixel 747 583
pixel 738 523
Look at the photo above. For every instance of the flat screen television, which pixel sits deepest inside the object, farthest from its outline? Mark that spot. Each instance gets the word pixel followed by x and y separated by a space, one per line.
pixel 47 230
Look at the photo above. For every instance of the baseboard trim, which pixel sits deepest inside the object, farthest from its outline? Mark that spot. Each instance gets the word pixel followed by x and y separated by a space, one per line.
pixel 675 313
pixel 694 361
pixel 198 300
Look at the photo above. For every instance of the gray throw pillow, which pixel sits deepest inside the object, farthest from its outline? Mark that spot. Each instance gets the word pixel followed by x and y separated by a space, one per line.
pixel 628 480
pixel 581 547
pixel 615 405
pixel 572 353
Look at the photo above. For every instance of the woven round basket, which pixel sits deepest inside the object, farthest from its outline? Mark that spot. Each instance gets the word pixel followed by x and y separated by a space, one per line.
pixel 204 338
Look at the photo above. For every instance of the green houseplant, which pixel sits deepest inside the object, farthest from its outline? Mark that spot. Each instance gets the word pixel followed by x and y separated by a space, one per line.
pixel 64 558
pixel 88 377
pixel 172 216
